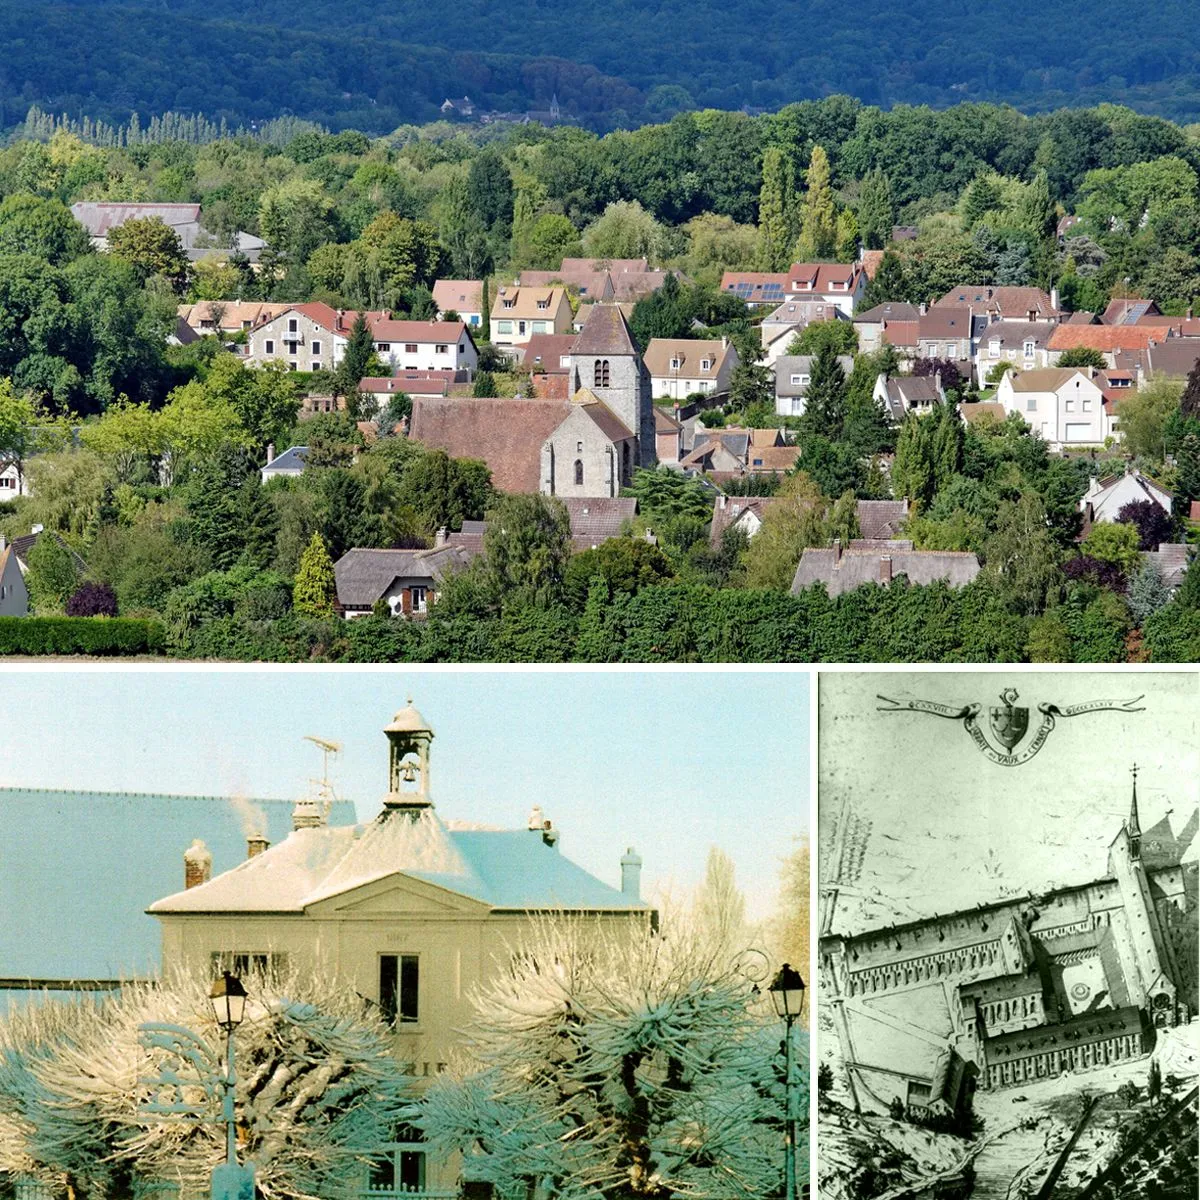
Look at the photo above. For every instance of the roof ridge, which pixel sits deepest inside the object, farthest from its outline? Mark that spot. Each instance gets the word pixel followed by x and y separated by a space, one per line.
pixel 142 795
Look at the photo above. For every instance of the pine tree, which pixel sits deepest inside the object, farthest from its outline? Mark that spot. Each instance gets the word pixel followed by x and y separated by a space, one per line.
pixel 315 586
pixel 876 212
pixel 847 236
pixel 776 210
pixel 484 385
pixel 522 224
pixel 825 400
pixel 485 316
pixel 1187 484
pixel 890 284
pixel 981 197
pixel 356 359
pixel 1147 593
pixel 818 215
pixel 1035 212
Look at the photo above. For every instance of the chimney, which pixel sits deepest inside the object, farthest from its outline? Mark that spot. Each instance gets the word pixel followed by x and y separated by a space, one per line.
pixel 255 845
pixel 837 552
pixel 549 835
pixel 3 543
pixel 924 309
pixel 440 538
pixel 197 865
pixel 537 818
pixel 631 874
pixel 270 453
pixel 724 500
pixel 885 568
pixel 36 529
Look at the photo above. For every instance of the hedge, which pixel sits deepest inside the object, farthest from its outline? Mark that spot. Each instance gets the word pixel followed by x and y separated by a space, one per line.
pixel 80 635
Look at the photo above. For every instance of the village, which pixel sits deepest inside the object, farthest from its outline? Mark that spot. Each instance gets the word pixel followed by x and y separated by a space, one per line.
pixel 648 409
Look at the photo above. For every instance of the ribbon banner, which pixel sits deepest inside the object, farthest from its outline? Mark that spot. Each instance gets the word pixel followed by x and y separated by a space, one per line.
pixel 1008 722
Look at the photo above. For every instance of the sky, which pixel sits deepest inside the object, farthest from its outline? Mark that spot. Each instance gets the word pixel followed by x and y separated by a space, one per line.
pixel 941 827
pixel 668 762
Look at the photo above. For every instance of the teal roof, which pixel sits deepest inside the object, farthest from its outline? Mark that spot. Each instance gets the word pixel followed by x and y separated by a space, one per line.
pixel 78 870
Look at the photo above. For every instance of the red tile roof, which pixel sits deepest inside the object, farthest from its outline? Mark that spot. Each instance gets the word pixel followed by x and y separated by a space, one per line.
pixel 1105 337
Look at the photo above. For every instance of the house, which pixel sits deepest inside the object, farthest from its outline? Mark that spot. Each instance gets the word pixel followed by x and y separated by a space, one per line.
pixel 21 546
pixel 413 913
pixel 843 570
pixel 461 296
pixel 408 581
pixel 840 284
pixel 1024 344
pixel 668 437
pixel 743 513
pixel 89 864
pixel 548 354
pixel 289 464
pixel 520 312
pixel 1170 359
pixel 630 286
pixel 227 317
pixel 682 367
pixel 946 332
pixel 1171 561
pixel 410 383
pixel 594 520
pixel 892 323
pixel 588 283
pixel 1129 310
pixel 14 596
pixel 881 520
pixel 12 482
pixel 1005 303
pixel 100 217
pixel 1105 497
pixel 614 266
pixel 730 452
pixel 788 321
pixel 1065 405
pixel 460 106
pixel 904 394
pixel 313 337
pixel 792 375
pixel 1107 339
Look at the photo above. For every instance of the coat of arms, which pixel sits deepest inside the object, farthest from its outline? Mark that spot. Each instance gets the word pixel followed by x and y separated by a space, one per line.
pixel 1009 723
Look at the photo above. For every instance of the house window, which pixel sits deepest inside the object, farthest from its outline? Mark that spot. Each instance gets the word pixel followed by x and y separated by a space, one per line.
pixel 383 347
pixel 316 347
pixel 543 304
pixel 578 447
pixel 579 472
pixel 268 347
pixel 674 364
pixel 504 327
pixel 706 364
pixel 403 1168
pixel 420 599
pixel 441 348
pixel 292 326
pixel 291 347
pixel 411 347
pixel 600 373
pixel 521 326
pixel 316 364
pixel 291 366
pixel 510 304
pixel 248 962
pixel 1087 405
pixel 1029 349
pixel 398 987
pixel 1070 406
pixel 245 324
pixel 564 360
pixel 1031 404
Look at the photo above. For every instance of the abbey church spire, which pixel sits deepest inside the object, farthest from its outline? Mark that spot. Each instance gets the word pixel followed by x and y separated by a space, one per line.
pixel 1132 827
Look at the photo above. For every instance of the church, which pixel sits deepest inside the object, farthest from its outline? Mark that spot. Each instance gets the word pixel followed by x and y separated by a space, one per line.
pixel 409 911
pixel 1021 988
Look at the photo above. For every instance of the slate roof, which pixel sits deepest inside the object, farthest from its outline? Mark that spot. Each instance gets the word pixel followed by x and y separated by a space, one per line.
pixel 1129 310
pixel 605 332
pixel 1078 1031
pixel 80 868
pixel 889 310
pixel 291 461
pixel 1170 560
pixel 881 518
pixel 364 574
pixel 506 434
pixel 507 870
pixel 1015 333
pixel 787 365
pixel 22 545
pixel 852 568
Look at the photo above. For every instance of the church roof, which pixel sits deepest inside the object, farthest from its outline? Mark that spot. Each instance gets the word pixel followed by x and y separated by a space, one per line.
pixel 79 869
pixel 502 869
pixel 605 332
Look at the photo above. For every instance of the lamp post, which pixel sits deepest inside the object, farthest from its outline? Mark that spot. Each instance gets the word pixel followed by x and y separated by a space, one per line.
pixel 228 1000
pixel 787 994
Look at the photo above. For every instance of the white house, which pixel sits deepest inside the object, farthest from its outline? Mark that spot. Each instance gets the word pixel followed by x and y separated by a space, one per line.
pixel 681 367
pixel 290 463
pixel 425 345
pixel 1063 404
pixel 462 296
pixel 793 373
pixel 1105 497
pixel 12 482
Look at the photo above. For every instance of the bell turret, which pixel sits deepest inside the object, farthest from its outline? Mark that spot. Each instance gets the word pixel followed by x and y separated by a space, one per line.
pixel 409 736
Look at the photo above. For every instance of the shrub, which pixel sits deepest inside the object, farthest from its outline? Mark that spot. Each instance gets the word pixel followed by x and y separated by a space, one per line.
pixel 93 600
pixel 79 635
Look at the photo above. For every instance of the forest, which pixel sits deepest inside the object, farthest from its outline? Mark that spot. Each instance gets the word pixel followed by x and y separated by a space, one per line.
pixel 374 69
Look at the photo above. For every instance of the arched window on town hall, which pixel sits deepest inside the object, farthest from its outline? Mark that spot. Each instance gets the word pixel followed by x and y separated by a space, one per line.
pixel 600 375
pixel 579 472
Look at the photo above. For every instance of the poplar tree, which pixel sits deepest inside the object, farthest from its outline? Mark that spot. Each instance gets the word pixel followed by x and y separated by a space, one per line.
pixel 876 211
pixel 776 210
pixel 315 586
pixel 818 215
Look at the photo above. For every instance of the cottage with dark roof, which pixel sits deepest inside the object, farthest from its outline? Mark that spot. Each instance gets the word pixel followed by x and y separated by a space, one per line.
pixel 882 562
pixel 903 394
pixel 411 912
pixel 407 581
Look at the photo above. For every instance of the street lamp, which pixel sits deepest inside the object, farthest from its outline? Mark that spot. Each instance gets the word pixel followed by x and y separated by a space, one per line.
pixel 787 994
pixel 228 1000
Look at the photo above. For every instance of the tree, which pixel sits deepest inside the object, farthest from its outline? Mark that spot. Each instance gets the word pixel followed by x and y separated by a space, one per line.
pixel 876 212
pixel 776 210
pixel 356 358
pixel 794 521
pixel 1147 593
pixel 1021 558
pixel 840 335
pixel 551 238
pixel 1187 464
pixel 1144 417
pixel 45 228
pixel 625 564
pixel 70 1108
pixel 52 575
pixel 1114 543
pixel 1079 356
pixel 719 912
pixel 484 385
pixel 151 247
pixel 18 433
pixel 1154 1082
pixel 1154 526
pixel 490 191
pixel 680 1054
pixel 825 400
pixel 624 230
pixel 295 217
pixel 315 589
pixel 526 546
pixel 888 284
pixel 818 215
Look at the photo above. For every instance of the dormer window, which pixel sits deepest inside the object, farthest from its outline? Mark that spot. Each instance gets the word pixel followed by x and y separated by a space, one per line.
pixel 706 364
pixel 510 303
pixel 675 364
pixel 1029 345
pixel 543 304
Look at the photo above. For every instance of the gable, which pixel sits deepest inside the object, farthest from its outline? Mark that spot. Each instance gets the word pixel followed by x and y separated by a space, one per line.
pixel 397 895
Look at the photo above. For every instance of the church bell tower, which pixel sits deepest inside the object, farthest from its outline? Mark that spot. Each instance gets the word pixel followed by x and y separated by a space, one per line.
pixel 409 736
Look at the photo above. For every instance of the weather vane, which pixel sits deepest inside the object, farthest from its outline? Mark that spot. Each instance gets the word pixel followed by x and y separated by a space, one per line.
pixel 1009 724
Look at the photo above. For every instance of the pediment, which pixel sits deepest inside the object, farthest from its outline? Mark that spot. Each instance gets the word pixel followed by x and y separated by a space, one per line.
pixel 397 895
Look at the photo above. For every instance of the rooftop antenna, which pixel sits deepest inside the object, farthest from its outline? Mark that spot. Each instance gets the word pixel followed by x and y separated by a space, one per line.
pixel 323 785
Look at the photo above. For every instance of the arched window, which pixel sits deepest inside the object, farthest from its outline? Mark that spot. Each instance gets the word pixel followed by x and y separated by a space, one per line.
pixel 625 461
pixel 600 374
pixel 579 472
